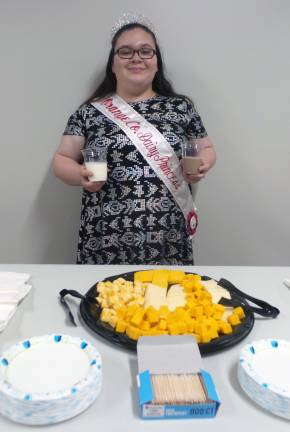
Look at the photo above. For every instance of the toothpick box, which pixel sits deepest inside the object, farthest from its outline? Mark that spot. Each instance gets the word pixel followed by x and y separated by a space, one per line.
pixel 172 355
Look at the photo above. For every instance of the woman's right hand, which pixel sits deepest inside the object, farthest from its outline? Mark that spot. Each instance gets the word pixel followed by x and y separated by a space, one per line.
pixel 86 183
pixel 67 164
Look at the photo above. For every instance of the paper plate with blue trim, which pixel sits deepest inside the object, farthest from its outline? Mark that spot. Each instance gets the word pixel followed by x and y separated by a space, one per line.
pixel 263 373
pixel 48 379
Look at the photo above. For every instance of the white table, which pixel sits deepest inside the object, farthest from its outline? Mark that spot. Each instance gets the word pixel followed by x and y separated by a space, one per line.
pixel 116 409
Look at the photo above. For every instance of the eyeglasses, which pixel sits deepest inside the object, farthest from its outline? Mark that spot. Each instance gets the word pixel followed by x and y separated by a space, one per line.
pixel 128 53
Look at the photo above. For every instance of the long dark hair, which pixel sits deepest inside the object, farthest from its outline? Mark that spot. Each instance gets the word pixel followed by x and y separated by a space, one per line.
pixel 108 86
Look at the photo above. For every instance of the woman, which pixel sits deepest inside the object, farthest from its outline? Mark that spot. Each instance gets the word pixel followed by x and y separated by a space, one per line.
pixel 134 217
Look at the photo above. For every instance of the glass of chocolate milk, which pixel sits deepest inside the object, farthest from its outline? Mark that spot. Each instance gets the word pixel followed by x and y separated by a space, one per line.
pixel 190 156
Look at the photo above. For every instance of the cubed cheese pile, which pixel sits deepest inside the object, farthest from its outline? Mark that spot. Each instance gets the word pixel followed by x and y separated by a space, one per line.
pixel 166 302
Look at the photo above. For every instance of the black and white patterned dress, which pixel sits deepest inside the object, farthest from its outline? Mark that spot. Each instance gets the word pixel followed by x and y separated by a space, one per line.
pixel 134 219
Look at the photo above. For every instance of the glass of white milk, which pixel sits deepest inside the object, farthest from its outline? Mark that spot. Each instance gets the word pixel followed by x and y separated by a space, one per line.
pixel 191 160
pixel 95 160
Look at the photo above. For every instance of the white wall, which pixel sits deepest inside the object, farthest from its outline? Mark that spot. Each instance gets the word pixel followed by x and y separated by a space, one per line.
pixel 230 56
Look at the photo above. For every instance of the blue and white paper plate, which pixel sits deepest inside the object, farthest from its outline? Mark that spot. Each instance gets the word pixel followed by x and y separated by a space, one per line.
pixel 48 379
pixel 263 373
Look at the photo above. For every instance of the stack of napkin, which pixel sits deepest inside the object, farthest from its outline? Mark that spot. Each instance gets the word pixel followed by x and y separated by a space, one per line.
pixel 13 288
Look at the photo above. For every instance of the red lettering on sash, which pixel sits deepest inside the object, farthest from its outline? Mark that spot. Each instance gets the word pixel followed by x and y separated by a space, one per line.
pixel 145 139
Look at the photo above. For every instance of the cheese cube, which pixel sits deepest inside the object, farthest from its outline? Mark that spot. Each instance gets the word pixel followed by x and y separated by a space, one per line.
pixel 145 325
pixel 133 332
pixel 182 328
pixel 131 309
pixel 152 315
pixel 224 327
pixel 106 315
pixel 173 328
pixel 138 317
pixel 121 326
pixel 163 312
pixel 206 336
pixel 234 319
pixel 240 312
pixel 162 324
pixel 191 325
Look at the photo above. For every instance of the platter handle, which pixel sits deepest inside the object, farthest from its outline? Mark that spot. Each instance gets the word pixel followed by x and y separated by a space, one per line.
pixel 264 309
pixel 73 293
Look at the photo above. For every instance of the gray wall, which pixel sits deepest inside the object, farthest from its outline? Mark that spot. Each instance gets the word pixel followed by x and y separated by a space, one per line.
pixel 231 57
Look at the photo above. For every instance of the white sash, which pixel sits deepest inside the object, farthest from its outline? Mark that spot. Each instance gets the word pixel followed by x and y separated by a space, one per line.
pixel 155 150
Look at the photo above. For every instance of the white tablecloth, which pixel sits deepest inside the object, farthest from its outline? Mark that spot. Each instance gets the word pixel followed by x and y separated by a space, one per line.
pixel 116 409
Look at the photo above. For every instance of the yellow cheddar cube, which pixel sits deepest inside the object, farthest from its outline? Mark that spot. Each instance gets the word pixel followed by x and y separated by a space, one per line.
pixel 206 337
pixel 234 319
pixel 197 311
pixel 144 332
pixel 197 337
pixel 162 324
pixel 187 285
pixel 133 332
pixel 180 313
pixel 208 310
pixel 224 327
pixel 204 295
pixel 121 326
pixel 213 333
pixel 240 312
pixel 152 315
pixel 217 315
pixel 131 309
pixel 163 312
pixel 182 328
pixel 201 328
pixel 173 328
pixel 197 285
pixel 219 308
pixel 191 325
pixel 206 302
pixel 121 312
pixel 137 317
pixel 190 302
pixel 198 294
pixel 145 325
pixel 213 324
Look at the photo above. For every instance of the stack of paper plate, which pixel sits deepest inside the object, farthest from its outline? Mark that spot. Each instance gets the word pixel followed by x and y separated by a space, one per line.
pixel 263 373
pixel 48 379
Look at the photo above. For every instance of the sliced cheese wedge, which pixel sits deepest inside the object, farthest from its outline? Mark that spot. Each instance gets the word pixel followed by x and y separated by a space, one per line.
pixel 154 296
pixel 175 297
pixel 216 291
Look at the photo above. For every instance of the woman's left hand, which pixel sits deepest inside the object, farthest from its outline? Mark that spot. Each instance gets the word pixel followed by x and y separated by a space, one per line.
pixel 195 178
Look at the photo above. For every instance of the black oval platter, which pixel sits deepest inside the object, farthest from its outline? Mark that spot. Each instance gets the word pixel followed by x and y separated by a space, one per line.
pixel 90 313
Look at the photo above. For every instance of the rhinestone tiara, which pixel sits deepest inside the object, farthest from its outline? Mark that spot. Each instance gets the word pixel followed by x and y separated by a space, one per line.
pixel 131 18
